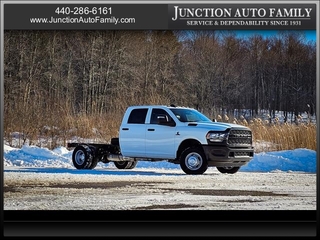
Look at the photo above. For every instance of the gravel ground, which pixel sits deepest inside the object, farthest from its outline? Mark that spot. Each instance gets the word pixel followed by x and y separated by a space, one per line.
pixel 139 189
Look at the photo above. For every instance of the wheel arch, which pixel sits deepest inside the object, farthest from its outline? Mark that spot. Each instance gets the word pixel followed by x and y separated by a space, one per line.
pixel 185 144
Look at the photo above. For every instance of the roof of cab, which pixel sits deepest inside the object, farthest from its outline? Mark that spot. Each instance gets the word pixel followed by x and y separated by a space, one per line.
pixel 158 105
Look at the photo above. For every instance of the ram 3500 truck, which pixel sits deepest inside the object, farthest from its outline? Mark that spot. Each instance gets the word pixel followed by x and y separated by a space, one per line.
pixel 178 135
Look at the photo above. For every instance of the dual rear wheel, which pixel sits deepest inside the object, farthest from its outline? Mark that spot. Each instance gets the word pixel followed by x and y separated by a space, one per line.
pixel 125 164
pixel 83 157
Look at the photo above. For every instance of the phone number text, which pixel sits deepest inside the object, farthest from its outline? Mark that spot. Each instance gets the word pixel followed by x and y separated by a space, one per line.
pixel 84 10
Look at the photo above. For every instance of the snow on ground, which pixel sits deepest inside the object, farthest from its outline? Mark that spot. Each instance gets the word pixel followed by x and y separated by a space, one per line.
pixel 32 156
pixel 40 179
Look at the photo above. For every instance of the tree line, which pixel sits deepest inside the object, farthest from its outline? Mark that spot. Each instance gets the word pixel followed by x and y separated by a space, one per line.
pixel 54 77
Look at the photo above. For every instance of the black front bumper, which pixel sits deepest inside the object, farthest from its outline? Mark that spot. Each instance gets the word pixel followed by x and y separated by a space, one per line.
pixel 223 156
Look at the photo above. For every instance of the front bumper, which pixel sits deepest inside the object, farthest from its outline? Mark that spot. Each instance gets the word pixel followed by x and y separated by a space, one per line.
pixel 223 156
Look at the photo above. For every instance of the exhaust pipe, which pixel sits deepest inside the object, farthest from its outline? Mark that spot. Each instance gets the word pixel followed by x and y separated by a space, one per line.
pixel 119 158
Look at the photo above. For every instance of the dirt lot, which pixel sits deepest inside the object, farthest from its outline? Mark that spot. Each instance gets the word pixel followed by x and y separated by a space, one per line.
pixel 156 189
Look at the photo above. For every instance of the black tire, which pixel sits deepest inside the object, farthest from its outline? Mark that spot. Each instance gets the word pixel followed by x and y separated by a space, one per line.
pixel 229 170
pixel 124 164
pixel 93 164
pixel 94 160
pixel 82 157
pixel 193 161
pixel 133 165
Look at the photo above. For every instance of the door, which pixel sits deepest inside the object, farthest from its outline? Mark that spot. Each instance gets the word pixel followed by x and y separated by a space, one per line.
pixel 160 135
pixel 133 134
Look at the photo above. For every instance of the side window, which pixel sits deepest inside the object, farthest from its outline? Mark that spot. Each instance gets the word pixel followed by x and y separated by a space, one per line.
pixel 156 112
pixel 138 116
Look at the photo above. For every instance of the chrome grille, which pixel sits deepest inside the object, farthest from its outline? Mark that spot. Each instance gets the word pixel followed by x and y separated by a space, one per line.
pixel 240 137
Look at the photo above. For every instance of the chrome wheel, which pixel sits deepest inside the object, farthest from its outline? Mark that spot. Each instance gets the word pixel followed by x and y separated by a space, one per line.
pixel 80 157
pixel 193 161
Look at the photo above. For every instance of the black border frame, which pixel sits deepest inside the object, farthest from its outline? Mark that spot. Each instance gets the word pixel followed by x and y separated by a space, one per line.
pixel 161 223
pixel 168 223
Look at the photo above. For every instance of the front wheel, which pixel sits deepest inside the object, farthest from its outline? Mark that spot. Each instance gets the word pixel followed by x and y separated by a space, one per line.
pixel 230 170
pixel 193 161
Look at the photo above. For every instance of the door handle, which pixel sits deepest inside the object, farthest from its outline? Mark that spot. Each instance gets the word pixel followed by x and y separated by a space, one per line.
pixel 125 129
pixel 151 129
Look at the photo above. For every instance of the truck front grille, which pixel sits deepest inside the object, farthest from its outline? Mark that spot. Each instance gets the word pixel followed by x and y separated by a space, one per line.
pixel 240 138
pixel 241 154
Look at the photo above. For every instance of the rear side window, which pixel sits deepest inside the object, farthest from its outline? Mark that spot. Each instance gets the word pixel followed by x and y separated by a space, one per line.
pixel 138 116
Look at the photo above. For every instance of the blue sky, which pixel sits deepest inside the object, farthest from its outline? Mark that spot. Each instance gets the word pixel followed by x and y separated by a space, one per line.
pixel 310 34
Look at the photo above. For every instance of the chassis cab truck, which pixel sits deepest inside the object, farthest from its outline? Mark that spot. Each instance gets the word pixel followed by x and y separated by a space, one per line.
pixel 179 135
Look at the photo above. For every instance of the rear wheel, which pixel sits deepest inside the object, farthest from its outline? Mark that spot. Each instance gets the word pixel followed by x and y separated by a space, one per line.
pixel 82 157
pixel 230 170
pixel 193 161
pixel 125 164
pixel 93 164
pixel 133 164
pixel 95 159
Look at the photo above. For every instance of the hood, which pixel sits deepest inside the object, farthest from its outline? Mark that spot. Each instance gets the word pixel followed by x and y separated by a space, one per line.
pixel 216 126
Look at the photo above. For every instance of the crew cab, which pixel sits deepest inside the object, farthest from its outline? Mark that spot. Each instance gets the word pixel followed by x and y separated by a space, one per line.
pixel 179 135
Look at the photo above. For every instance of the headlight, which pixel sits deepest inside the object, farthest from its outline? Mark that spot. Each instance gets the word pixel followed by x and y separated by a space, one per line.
pixel 217 136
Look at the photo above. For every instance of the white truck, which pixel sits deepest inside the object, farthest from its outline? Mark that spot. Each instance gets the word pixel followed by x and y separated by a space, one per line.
pixel 179 135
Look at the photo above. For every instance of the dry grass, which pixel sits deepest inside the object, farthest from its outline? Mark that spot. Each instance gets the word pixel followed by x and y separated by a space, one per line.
pixel 59 130
pixel 277 136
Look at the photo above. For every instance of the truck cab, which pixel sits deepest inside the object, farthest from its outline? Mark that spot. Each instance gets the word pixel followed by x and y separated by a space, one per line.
pixel 148 132
pixel 159 132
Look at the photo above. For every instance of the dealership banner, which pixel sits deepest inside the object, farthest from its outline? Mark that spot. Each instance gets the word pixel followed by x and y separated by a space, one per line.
pixel 244 16
pixel 62 16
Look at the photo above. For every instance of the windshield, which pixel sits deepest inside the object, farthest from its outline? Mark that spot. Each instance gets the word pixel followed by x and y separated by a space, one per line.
pixel 189 115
